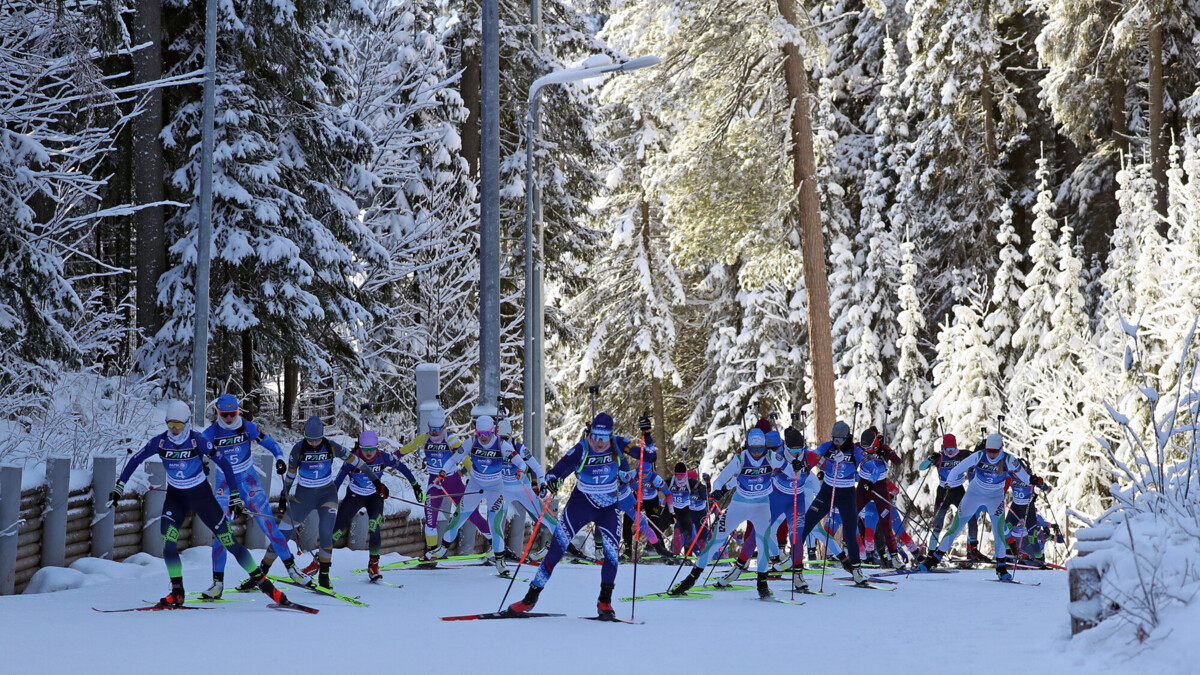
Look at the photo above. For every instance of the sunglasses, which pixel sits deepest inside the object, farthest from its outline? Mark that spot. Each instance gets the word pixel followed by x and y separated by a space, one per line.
pixel 601 435
pixel 370 449
pixel 175 425
pixel 436 430
pixel 228 414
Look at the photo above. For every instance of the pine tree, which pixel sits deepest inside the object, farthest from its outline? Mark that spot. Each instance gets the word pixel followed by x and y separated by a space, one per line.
pixel 909 389
pixel 1003 318
pixel 965 372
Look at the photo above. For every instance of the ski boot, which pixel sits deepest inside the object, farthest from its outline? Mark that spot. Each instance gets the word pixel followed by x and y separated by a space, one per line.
pixel 781 565
pixel 888 560
pixel 510 556
pixel 663 551
pixel 686 584
pixel 176 596
pixel 604 608
pixel 312 567
pixel 931 561
pixel 373 568
pixel 870 558
pixel 526 603
pixel 1002 571
pixel 764 591
pixel 857 573
pixel 323 575
pixel 799 584
pixel 218 587
pixel 812 553
pixel 294 572
pixel 436 553
pixel 573 550
pixel 501 568
pixel 732 575
pixel 973 553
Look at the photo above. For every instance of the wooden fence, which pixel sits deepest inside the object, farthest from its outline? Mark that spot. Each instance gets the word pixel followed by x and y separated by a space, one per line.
pixel 53 526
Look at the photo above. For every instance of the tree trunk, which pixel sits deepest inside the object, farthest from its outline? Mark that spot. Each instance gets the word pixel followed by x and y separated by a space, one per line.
pixel 812 242
pixel 1120 130
pixel 1158 141
pixel 249 390
pixel 147 165
pixel 470 96
pixel 291 390
pixel 989 118
pixel 656 394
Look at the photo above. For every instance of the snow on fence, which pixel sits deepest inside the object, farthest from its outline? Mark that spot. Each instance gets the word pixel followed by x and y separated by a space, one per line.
pixel 53 525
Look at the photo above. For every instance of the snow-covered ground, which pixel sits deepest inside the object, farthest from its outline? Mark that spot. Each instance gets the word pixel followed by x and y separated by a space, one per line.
pixel 929 624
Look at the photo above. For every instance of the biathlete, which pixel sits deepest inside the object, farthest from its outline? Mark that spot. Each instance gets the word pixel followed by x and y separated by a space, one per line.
pixel 363 495
pixel 182 450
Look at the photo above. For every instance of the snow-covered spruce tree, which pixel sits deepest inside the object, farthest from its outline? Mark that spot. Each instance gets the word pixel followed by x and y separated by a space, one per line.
pixel 417 197
pixel 59 119
pixel 909 389
pixel 964 107
pixel 965 393
pixel 1036 307
pixel 287 240
pixel 1004 314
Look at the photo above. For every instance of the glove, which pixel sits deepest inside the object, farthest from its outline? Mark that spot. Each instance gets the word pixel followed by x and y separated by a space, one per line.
pixel 797 465
pixel 418 492
pixel 381 489
pixel 793 438
pixel 551 484
pixel 280 467
pixel 283 500
pixel 237 507
pixel 116 494
pixel 717 495
pixel 934 457
pixel 821 475
pixel 644 423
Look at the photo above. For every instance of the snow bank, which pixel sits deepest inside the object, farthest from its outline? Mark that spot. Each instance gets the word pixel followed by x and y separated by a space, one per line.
pixel 86 572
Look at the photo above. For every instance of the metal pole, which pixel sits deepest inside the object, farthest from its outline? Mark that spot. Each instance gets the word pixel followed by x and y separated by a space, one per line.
pixel 537 435
pixel 489 212
pixel 204 233
pixel 529 410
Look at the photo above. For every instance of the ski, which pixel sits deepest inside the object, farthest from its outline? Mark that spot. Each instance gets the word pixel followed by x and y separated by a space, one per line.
pixel 667 596
pixel 771 598
pixel 817 593
pixel 152 607
pixel 381 582
pixel 714 587
pixel 585 561
pixel 294 606
pixel 613 620
pixel 874 588
pixel 506 614
pixel 1014 581
pixel 508 576
pixel 872 578
pixel 329 592
pixel 411 562
pixel 207 601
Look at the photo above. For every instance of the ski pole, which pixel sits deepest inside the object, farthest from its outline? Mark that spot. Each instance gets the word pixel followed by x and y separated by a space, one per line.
pixel 795 510
pixel 637 524
pixel 688 553
pixel 532 536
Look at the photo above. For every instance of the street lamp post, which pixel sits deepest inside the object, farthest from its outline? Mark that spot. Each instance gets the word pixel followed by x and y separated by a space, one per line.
pixel 534 408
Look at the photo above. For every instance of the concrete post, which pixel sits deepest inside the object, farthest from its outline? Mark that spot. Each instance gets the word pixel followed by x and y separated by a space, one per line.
pixel 54 515
pixel 356 538
pixel 428 387
pixel 152 509
pixel 104 518
pixel 10 523
pixel 264 466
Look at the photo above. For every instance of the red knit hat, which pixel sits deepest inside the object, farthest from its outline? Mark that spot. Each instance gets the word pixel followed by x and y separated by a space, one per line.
pixel 949 441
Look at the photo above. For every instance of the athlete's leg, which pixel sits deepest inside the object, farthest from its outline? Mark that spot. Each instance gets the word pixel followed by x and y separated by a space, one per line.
pixel 218 549
pixel 258 501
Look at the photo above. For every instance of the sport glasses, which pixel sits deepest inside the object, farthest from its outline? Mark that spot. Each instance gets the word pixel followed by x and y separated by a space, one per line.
pixel 484 435
pixel 601 435
pixel 175 425
pixel 227 414
pixel 435 430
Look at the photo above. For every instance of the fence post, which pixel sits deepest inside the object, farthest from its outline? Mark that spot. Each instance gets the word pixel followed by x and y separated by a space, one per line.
pixel 104 517
pixel 54 514
pixel 152 508
pixel 264 466
pixel 10 514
